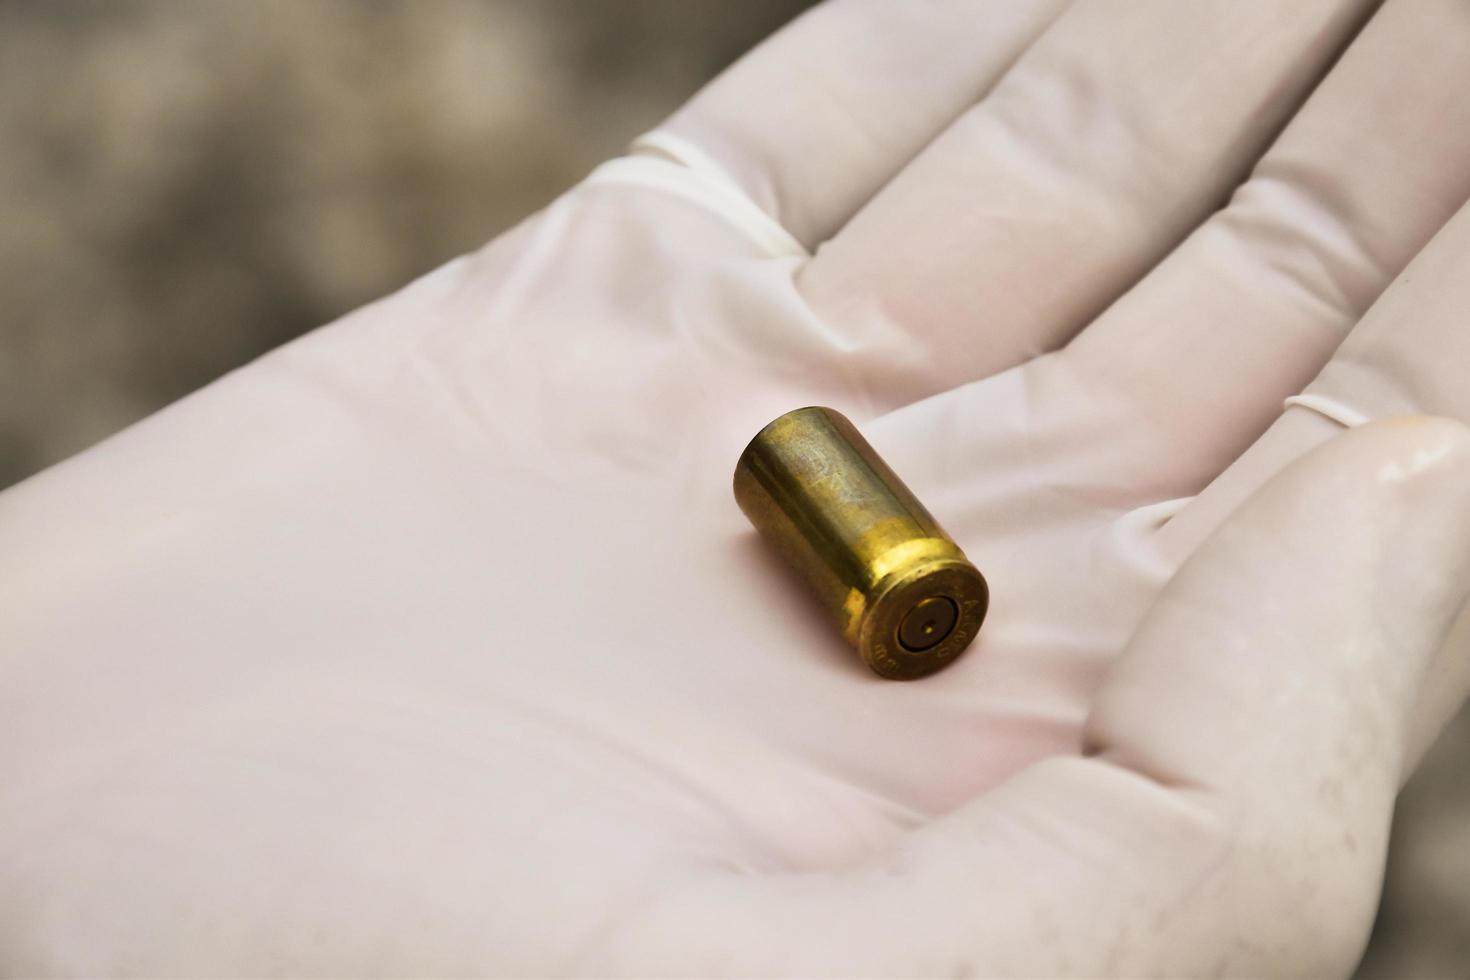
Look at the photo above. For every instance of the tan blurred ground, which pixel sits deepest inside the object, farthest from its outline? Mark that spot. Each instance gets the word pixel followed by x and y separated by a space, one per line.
pixel 185 185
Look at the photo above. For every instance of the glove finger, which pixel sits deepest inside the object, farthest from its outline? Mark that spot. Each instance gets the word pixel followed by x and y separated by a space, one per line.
pixel 1233 813
pixel 1069 180
pixel 1280 675
pixel 1407 355
pixel 822 114
pixel 1191 366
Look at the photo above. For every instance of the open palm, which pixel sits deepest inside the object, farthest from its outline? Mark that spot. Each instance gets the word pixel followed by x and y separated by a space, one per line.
pixel 434 642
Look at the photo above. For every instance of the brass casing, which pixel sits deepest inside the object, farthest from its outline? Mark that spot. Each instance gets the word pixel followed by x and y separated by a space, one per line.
pixel 896 585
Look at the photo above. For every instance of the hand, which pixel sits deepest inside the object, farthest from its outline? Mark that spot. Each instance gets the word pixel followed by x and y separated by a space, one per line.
pixel 434 643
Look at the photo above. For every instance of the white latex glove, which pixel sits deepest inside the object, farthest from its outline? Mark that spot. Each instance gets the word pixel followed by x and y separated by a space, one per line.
pixel 433 643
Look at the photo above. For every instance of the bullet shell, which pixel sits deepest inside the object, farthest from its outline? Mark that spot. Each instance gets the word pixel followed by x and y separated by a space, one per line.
pixel 897 587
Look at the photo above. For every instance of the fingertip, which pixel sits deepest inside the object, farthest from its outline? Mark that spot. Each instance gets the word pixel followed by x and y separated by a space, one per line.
pixel 1385 456
pixel 1423 443
pixel 1418 441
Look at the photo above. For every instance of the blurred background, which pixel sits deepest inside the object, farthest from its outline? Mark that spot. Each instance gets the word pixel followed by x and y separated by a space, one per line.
pixel 185 185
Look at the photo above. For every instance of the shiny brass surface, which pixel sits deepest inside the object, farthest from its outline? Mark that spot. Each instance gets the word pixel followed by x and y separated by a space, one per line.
pixel 895 584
